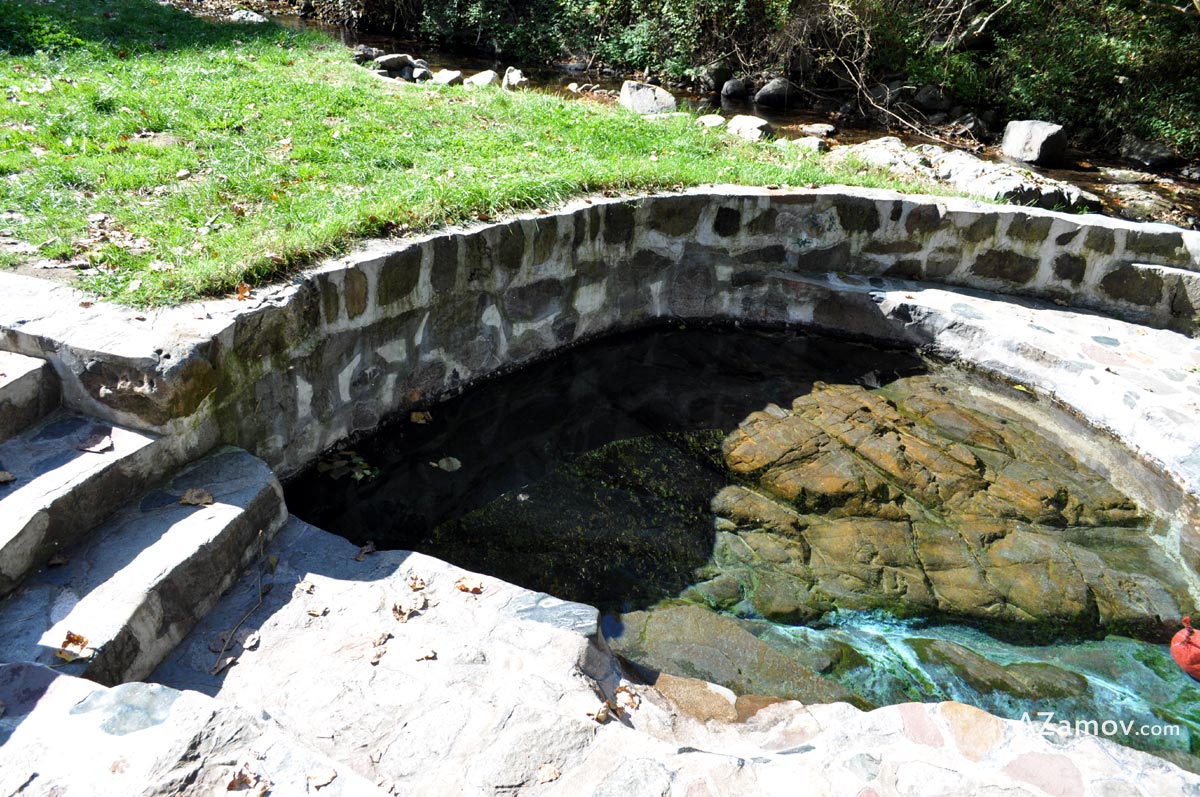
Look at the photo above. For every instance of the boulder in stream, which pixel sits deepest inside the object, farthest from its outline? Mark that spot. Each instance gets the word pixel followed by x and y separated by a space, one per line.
pixel 1034 141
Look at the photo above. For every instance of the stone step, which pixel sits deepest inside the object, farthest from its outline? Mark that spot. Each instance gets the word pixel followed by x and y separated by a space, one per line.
pixel 137 584
pixel 74 738
pixel 28 392
pixel 63 476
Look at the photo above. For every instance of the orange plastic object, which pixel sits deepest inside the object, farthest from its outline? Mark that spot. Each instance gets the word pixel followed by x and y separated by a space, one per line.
pixel 1185 649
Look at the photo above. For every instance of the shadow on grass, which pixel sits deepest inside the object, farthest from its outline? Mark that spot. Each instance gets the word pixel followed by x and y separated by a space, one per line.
pixel 124 29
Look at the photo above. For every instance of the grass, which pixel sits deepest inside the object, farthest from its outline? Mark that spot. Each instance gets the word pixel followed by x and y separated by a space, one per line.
pixel 172 158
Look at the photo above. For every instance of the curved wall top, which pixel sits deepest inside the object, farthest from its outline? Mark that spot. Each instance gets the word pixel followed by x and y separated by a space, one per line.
pixel 398 323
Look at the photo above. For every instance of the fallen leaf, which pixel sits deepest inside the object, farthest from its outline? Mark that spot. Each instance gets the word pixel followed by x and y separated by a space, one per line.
pixel 73 648
pixel 382 639
pixel 6 477
pixel 322 777
pixel 369 548
pixel 607 711
pixel 415 582
pixel 1021 388
pixel 305 586
pixel 243 292
pixel 420 417
pixel 378 655
pixel 245 779
pixel 626 697
pixel 410 606
pixel 429 655
pixel 195 496
pixel 74 640
pixel 97 442
pixel 58 560
pixel 321 612
pixel 86 305
pixel 222 664
pixel 448 464
pixel 548 773
pixel 182 174
pixel 469 584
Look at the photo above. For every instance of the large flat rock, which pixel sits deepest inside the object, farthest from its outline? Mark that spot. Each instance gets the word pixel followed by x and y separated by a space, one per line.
pixel 69 473
pixel 63 735
pixel 494 692
pixel 139 583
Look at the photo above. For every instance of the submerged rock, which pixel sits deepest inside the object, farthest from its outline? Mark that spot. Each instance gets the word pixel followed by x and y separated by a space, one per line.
pixel 694 642
pixel 906 500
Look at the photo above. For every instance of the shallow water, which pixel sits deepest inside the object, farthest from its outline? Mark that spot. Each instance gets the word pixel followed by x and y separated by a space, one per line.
pixel 591 476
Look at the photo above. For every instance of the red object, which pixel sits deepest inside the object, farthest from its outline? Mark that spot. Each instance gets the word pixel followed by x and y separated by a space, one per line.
pixel 1185 649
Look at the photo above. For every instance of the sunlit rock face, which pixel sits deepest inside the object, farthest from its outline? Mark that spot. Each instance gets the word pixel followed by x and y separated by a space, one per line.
pixel 919 499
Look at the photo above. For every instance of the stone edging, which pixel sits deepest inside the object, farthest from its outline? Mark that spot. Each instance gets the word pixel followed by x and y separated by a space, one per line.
pixel 399 323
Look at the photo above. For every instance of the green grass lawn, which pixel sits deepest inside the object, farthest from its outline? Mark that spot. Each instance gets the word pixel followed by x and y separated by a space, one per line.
pixel 170 157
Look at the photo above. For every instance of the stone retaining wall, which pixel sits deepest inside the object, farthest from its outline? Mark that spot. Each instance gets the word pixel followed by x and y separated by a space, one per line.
pixel 397 324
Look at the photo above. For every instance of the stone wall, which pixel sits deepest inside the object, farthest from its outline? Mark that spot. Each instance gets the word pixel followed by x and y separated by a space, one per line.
pixel 401 323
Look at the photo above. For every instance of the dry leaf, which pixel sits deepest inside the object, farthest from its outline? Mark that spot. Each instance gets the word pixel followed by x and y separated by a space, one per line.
pixel 420 417
pixel 469 584
pixel 6 477
pixel 85 305
pixel 74 647
pixel 547 773
pixel 448 464
pixel 626 697
pixel 196 497
pixel 322 777
pixel 429 655
pixel 305 586
pixel 97 442
pixel 369 548
pixel 74 641
pixel 415 582
pixel 378 655
pixel 321 612
pixel 222 664
pixel 243 292
pixel 247 780
pixel 410 606
pixel 607 711
pixel 382 639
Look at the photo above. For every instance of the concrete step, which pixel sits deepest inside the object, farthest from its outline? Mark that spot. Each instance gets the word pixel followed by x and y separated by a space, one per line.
pixel 55 491
pixel 137 584
pixel 29 391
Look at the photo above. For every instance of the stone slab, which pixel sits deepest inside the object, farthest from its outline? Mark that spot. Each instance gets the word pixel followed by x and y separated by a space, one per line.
pixel 66 736
pixel 504 705
pixel 59 491
pixel 137 584
pixel 28 391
